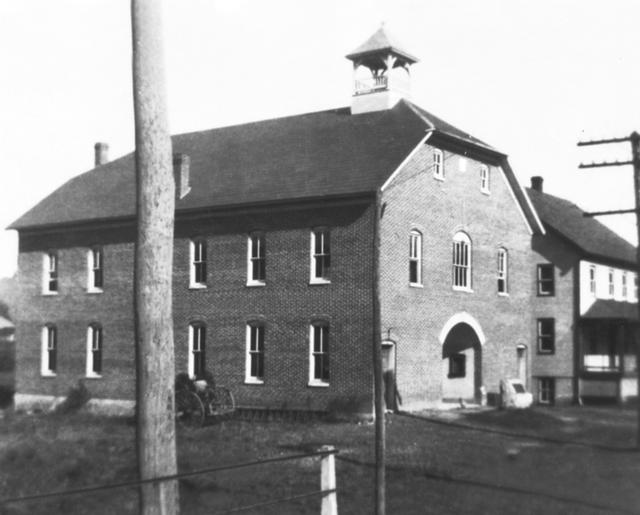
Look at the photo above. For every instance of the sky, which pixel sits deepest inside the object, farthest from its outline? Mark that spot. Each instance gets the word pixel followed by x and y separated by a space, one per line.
pixel 531 78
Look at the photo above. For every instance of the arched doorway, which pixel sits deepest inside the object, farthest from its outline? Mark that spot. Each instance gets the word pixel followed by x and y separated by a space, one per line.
pixel 462 361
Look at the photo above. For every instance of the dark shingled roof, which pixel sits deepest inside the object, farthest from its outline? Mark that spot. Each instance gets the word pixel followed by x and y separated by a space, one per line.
pixel 608 308
pixel 315 155
pixel 587 233
pixel 379 41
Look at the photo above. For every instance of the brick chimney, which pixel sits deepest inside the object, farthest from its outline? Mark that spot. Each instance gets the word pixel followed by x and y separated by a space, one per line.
pixel 102 153
pixel 536 183
pixel 181 164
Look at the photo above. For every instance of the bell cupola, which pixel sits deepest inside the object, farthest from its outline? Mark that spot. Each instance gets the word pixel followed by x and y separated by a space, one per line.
pixel 380 72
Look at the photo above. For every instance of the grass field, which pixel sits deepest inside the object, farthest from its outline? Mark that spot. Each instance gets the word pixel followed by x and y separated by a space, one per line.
pixel 560 460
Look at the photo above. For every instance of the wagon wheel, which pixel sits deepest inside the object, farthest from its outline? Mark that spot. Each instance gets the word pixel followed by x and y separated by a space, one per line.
pixel 222 401
pixel 189 408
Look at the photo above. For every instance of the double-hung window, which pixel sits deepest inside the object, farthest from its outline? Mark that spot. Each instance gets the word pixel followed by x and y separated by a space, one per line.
pixel 438 164
pixel 546 335
pixel 612 284
pixel 320 256
pixel 485 178
pixel 197 345
pixel 625 290
pixel 546 280
pixel 592 280
pixel 503 269
pixel 94 351
pixel 49 351
pixel 546 390
pixel 94 270
pixel 50 273
pixel 256 259
pixel 461 269
pixel 415 258
pixel 319 354
pixel 254 369
pixel 198 266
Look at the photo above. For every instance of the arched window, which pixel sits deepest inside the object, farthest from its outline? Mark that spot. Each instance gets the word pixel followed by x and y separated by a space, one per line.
pixel 461 272
pixel 49 351
pixel 503 268
pixel 94 351
pixel 415 258
pixel 197 346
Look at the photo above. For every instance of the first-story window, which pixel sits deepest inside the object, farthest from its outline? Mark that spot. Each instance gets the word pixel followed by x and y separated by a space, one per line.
pixel 50 273
pixel 461 273
pixel 503 262
pixel 256 259
pixel 320 256
pixel 485 177
pixel 94 351
pixel 546 390
pixel 198 266
pixel 254 370
pixel 49 351
pixel 415 258
pixel 457 365
pixel 94 270
pixel 197 345
pixel 546 335
pixel 319 354
pixel 546 280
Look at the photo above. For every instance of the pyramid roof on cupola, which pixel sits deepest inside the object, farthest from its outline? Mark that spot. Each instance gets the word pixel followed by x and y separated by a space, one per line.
pixel 382 41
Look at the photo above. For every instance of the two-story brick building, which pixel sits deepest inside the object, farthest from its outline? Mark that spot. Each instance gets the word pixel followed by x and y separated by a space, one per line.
pixel 585 306
pixel 273 284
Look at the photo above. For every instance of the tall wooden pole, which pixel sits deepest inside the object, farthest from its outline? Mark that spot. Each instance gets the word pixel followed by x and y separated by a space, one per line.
pixel 635 157
pixel 378 386
pixel 156 436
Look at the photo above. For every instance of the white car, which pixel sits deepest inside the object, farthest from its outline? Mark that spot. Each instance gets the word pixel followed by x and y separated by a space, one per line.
pixel 513 394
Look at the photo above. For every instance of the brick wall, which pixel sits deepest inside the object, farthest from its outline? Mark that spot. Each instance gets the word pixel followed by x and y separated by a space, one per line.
pixel 414 316
pixel 287 304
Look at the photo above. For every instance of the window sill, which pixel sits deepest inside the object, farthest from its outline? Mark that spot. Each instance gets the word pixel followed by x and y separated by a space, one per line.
pixel 318 384
pixel 462 289
pixel 48 374
pixel 94 376
pixel 94 290
pixel 486 192
pixel 319 281
pixel 253 381
pixel 546 352
pixel 502 294
pixel 438 178
pixel 252 284
pixel 416 285
pixel 49 293
pixel 197 286
pixel 546 294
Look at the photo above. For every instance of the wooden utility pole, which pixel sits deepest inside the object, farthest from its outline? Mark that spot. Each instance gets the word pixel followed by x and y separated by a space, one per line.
pixel 155 198
pixel 634 139
pixel 378 386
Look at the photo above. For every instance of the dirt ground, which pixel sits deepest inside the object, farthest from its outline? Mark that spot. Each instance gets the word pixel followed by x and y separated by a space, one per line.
pixel 556 460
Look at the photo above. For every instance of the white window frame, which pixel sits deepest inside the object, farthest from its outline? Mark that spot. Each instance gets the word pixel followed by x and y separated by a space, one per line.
pixel 625 283
pixel 257 330
pixel 438 164
pixel 315 355
pixel 49 341
pixel 461 262
pixel 95 269
pixel 485 179
pixel 415 256
pixel 196 246
pixel 197 329
pixel 94 345
pixel 635 287
pixel 50 273
pixel 256 252
pixel 612 282
pixel 324 254
pixel 592 280
pixel 503 271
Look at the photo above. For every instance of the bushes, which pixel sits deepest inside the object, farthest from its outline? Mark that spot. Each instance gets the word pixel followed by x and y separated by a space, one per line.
pixel 76 398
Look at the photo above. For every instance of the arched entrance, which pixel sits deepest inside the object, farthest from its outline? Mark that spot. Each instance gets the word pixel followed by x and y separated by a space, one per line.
pixel 462 359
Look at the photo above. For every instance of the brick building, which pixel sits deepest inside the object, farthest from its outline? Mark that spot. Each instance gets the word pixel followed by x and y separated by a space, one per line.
pixel 585 306
pixel 273 284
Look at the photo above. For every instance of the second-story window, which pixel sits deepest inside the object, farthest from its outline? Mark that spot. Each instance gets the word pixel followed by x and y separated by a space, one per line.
pixel 198 266
pixel 485 179
pixel 625 290
pixel 94 270
pixel 592 280
pixel 320 256
pixel 438 164
pixel 415 258
pixel 612 284
pixel 461 274
pixel 94 351
pixel 50 273
pixel 197 346
pixel 546 335
pixel 503 263
pixel 635 287
pixel 256 259
pixel 546 280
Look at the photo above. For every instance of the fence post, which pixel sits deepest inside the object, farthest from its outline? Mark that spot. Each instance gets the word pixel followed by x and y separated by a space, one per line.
pixel 328 481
